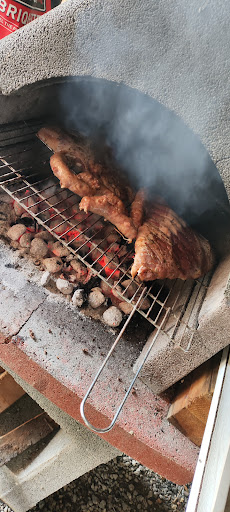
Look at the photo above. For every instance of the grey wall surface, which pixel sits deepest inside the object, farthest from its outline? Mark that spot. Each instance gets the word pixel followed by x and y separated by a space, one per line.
pixel 176 52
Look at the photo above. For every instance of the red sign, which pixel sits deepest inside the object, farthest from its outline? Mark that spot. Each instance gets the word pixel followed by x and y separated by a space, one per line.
pixel 16 13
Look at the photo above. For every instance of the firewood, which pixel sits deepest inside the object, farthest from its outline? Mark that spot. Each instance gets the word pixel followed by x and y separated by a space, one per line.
pixel 10 391
pixel 189 409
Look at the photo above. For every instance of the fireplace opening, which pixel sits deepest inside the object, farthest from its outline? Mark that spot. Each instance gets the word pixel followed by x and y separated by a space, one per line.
pixel 151 145
pixel 84 255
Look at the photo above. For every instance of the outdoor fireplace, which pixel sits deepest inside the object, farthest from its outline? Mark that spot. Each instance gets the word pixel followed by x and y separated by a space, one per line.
pixel 79 80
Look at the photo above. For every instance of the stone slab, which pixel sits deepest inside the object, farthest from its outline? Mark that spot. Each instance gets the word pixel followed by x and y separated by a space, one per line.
pixel 60 359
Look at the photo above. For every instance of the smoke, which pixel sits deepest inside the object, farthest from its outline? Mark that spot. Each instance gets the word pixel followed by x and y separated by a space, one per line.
pixel 151 143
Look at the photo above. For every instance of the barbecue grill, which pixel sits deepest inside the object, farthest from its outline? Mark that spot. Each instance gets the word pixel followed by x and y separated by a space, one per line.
pixel 189 320
pixel 24 159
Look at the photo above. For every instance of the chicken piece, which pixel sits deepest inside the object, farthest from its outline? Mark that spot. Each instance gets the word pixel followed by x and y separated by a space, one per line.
pixel 137 208
pixel 167 248
pixel 82 184
pixel 112 209
pixel 80 154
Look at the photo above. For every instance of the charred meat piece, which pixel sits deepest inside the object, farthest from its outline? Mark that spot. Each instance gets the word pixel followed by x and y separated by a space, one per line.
pixel 167 248
pixel 112 209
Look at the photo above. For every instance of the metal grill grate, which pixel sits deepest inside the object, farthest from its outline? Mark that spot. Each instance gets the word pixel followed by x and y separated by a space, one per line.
pixel 170 306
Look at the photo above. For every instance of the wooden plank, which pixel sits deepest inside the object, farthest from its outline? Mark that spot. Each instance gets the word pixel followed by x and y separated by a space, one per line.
pixel 29 433
pixel 212 476
pixel 10 391
pixel 189 410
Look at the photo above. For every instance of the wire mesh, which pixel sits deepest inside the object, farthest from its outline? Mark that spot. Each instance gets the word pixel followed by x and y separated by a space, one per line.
pixel 172 307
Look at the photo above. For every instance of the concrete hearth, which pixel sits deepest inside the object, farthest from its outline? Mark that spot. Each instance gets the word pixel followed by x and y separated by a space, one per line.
pixel 54 363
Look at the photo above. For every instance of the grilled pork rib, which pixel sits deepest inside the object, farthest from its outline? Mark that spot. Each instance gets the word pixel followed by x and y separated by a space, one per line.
pixel 167 248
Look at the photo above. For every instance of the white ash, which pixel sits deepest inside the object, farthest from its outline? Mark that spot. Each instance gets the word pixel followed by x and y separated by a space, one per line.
pixel 46 277
pixel 16 231
pixel 112 316
pixel 64 286
pixel 39 248
pixel 25 239
pixel 96 298
pixel 53 265
pixel 78 297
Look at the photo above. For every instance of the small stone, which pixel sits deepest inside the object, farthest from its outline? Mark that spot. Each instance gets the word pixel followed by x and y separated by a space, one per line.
pixel 64 286
pixel 106 289
pixel 78 298
pixel 44 235
pixel 131 287
pixel 58 249
pixel 94 499
pixel 38 248
pixel 96 298
pixel 14 244
pixel 19 210
pixel 31 204
pixel 112 316
pixel 79 268
pixel 23 251
pixel 45 279
pixel 70 257
pixel 126 307
pixel 102 504
pixel 53 265
pixel 25 240
pixel 16 231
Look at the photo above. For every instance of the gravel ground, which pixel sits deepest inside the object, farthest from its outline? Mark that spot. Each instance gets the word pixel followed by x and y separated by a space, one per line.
pixel 120 485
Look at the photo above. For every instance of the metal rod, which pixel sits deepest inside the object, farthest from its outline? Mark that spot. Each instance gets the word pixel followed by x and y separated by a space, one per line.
pixel 82 406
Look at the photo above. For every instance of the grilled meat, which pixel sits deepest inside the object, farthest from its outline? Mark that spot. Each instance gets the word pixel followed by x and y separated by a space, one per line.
pixel 137 208
pixel 83 183
pixel 167 248
pixel 112 209
pixel 79 155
